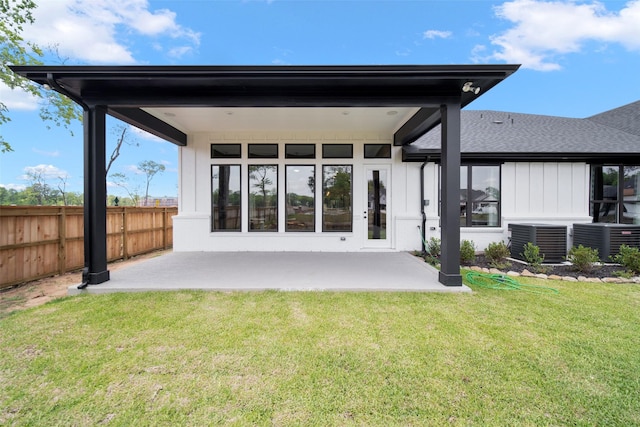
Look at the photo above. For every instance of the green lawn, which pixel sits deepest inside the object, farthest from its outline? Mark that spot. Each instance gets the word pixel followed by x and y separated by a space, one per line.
pixel 500 358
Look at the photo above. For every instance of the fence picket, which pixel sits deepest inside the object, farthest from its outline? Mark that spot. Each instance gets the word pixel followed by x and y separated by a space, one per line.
pixel 41 241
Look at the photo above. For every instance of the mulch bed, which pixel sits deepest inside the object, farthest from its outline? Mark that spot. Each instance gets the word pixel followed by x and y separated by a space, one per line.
pixel 600 271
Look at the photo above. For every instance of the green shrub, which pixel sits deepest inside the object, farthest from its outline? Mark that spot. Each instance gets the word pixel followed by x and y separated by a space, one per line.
pixel 467 252
pixel 433 247
pixel 531 254
pixel 629 258
pixel 496 254
pixel 583 258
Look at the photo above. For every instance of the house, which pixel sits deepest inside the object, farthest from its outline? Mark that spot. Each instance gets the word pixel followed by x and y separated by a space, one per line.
pixel 295 158
pixel 525 168
pixel 343 158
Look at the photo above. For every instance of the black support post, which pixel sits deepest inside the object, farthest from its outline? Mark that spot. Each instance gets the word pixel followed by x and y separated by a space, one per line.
pixel 95 197
pixel 450 209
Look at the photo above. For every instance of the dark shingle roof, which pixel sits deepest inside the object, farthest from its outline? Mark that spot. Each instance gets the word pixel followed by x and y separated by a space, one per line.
pixel 615 132
pixel 625 118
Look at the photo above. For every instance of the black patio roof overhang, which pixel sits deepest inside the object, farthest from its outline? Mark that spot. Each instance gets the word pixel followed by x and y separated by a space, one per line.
pixel 126 90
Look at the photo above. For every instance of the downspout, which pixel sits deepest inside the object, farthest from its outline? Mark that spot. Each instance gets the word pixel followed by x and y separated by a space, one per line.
pixel 424 215
pixel 53 84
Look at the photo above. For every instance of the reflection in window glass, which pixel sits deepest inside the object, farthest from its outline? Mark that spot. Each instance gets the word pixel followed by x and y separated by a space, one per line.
pixel 336 198
pixel 300 199
pixel 485 194
pixel 263 198
pixel 225 151
pixel 614 194
pixel 377 204
pixel 604 193
pixel 480 196
pixel 337 151
pixel 631 198
pixel 377 151
pixel 263 151
pixel 300 151
pixel 225 197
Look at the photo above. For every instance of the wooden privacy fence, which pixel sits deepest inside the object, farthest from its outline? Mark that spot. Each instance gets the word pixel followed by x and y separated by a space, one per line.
pixel 42 241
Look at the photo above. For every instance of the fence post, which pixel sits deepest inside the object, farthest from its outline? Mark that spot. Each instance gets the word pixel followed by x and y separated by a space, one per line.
pixel 62 240
pixel 164 228
pixel 125 249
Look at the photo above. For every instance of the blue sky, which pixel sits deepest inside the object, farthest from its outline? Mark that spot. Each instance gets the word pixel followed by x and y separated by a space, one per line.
pixel 578 58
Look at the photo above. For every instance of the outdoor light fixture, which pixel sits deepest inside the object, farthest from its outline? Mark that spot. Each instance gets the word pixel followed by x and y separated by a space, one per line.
pixel 468 87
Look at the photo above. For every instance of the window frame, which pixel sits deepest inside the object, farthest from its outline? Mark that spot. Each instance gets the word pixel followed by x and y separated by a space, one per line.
pixel 240 210
pixel 468 209
pixel 324 228
pixel 286 196
pixel 619 202
pixel 326 156
pixel 277 198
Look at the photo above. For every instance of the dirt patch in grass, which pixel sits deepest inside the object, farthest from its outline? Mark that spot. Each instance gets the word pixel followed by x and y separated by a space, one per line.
pixel 38 292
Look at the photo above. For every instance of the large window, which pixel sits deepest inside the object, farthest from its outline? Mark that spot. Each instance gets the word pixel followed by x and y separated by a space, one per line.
pixel 225 197
pixel 337 209
pixel 263 198
pixel 614 194
pixel 479 196
pixel 300 199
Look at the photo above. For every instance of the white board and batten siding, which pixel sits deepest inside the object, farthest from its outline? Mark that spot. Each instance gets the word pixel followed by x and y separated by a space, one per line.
pixel 531 192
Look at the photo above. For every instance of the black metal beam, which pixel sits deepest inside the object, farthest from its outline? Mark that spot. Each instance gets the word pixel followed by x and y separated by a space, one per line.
pixel 145 121
pixel 419 124
pixel 450 217
pixel 95 197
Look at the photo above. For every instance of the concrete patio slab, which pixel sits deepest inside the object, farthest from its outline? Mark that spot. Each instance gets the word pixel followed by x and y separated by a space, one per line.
pixel 283 271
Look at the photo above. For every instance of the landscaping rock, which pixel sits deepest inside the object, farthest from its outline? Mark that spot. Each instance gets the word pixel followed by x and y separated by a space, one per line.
pixel 569 279
pixel 513 273
pixel 555 277
pixel 527 273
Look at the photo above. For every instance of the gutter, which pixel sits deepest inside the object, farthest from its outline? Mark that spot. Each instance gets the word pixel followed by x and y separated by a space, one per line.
pixel 424 215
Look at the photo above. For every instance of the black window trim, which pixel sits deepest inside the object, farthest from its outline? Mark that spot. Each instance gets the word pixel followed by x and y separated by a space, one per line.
pixel 218 230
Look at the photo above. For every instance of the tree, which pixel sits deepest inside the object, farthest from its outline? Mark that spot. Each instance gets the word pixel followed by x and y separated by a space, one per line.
pixel 40 193
pixel 123 138
pixel 122 181
pixel 150 169
pixel 14 15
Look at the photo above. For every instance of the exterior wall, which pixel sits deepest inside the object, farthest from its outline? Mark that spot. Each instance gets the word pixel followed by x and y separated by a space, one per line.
pixel 548 193
pixel 192 225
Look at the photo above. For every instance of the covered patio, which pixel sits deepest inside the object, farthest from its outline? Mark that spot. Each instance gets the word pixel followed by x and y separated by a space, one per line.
pixel 163 99
pixel 290 271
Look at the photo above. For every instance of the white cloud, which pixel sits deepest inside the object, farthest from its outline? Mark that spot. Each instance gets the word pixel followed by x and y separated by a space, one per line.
pixel 546 29
pixel 46 171
pixel 134 169
pixel 436 34
pixel 17 99
pixel 89 30
pixel 144 134
pixel 46 153
pixel 17 187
